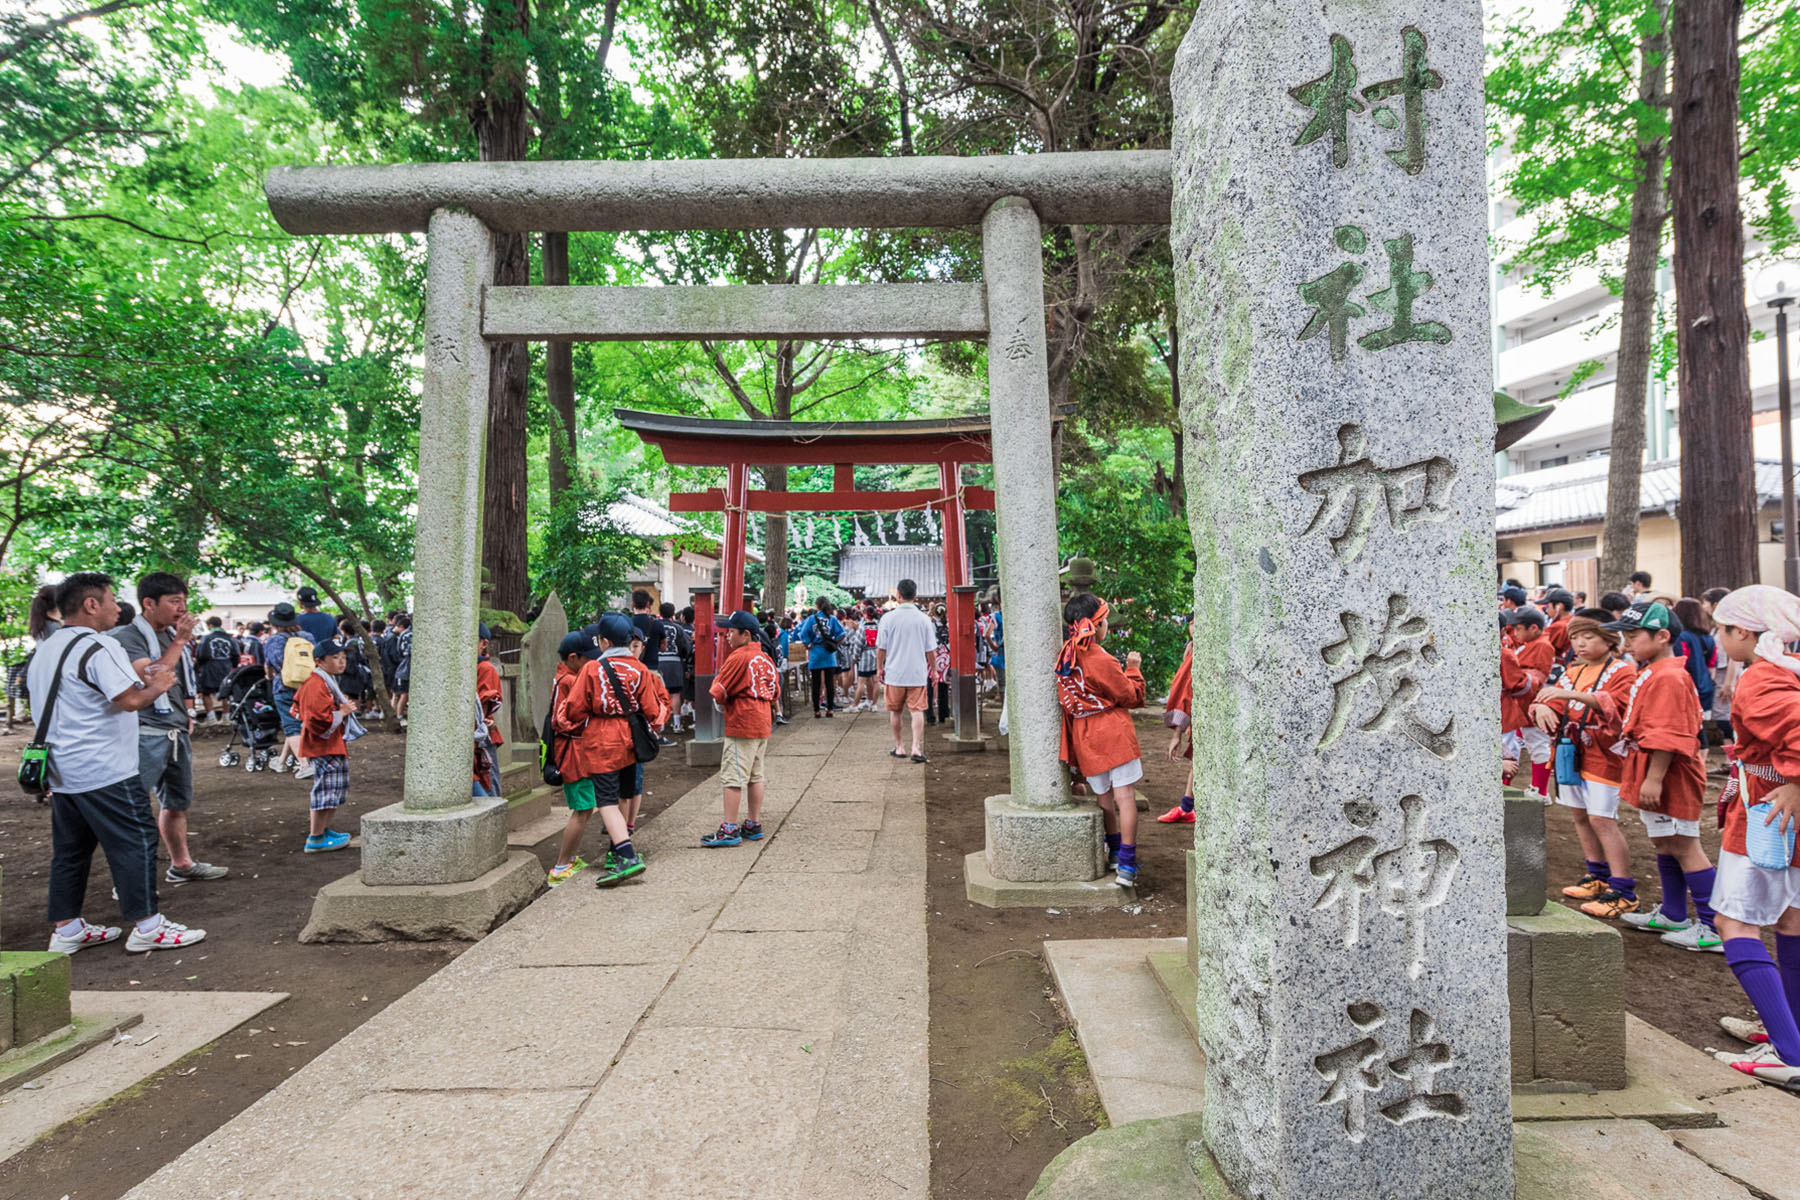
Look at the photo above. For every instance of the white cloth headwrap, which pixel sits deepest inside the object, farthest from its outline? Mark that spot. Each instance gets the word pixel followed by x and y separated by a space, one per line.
pixel 1769 612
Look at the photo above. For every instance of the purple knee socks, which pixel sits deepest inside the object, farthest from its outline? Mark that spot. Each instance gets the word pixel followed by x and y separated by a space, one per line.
pixel 1750 962
pixel 1674 887
pixel 1700 886
pixel 1787 953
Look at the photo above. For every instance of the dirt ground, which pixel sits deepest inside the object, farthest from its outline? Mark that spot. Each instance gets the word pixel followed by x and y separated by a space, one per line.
pixel 255 824
pixel 1009 1089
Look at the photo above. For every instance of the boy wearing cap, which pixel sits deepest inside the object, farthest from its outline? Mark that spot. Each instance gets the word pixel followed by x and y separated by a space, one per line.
pixel 595 714
pixel 1760 886
pixel 1588 707
pixel 322 710
pixel 574 651
pixel 1559 606
pixel 1536 656
pixel 1663 777
pixel 745 684
pixel 488 695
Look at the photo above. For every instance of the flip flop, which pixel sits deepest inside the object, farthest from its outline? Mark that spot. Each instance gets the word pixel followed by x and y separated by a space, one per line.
pixel 896 754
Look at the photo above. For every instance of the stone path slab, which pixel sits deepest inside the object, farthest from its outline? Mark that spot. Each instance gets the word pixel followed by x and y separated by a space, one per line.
pixel 741 1022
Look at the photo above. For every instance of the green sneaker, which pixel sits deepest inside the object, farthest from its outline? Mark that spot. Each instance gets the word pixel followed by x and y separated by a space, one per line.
pixel 1696 937
pixel 1654 921
pixel 618 870
pixel 564 874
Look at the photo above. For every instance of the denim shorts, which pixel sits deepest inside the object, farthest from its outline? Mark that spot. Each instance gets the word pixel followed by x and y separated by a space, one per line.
pixel 284 700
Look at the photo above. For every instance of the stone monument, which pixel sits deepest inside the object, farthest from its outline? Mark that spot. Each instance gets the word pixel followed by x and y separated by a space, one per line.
pixel 537 669
pixel 1329 232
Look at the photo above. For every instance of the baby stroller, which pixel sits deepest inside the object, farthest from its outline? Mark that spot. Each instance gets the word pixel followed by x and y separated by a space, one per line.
pixel 254 720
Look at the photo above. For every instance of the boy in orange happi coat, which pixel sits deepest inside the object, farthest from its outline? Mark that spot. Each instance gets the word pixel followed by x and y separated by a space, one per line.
pixel 1178 715
pixel 1098 738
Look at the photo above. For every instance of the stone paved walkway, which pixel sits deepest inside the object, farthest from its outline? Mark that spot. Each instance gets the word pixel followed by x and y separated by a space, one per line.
pixel 748 1022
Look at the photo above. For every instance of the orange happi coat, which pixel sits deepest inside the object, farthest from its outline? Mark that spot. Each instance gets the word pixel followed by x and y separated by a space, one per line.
pixel 745 684
pixel 593 713
pixel 487 692
pixel 1596 727
pixel 1765 714
pixel 1663 713
pixel 1097 697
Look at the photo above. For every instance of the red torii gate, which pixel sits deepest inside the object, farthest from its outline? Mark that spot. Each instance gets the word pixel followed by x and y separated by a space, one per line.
pixel 737 446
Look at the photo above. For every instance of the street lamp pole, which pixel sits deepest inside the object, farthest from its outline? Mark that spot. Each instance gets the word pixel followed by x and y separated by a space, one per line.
pixel 1790 536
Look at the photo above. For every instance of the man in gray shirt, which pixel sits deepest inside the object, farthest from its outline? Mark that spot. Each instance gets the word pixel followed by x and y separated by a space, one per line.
pixel 903 664
pixel 165 753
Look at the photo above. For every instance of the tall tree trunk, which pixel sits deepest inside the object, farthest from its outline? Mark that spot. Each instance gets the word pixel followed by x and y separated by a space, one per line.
pixel 503 131
pixel 775 543
pixel 559 377
pixel 1649 210
pixel 1718 490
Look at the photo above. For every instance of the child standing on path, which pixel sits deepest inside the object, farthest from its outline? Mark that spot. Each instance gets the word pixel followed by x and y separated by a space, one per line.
pixel 596 714
pixel 1098 738
pixel 488 693
pixel 745 684
pixel 1663 777
pixel 658 709
pixel 323 713
pixel 1588 708
pixel 1759 885
pixel 574 651
pixel 1178 715
pixel 1537 655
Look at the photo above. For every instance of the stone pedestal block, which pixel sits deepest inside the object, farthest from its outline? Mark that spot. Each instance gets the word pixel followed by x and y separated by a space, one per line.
pixel 705 754
pixel 1565 977
pixel 965 745
pixel 349 910
pixel 1527 872
pixel 34 996
pixel 1029 844
pixel 402 847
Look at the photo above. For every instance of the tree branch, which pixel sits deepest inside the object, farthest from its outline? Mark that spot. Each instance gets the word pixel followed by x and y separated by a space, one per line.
pixel 33 34
pixel 731 382
pixel 60 142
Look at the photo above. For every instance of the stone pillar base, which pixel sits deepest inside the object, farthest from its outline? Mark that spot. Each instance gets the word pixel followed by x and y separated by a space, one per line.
pixel 1026 844
pixel 454 846
pixel 350 910
pixel 982 888
pixel 1565 980
pixel 705 754
pixel 965 745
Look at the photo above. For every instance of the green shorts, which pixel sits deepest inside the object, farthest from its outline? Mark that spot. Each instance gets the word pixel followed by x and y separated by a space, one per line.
pixel 579 795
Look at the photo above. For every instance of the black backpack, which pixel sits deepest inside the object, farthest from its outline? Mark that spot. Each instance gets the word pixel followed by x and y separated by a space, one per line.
pixel 547 739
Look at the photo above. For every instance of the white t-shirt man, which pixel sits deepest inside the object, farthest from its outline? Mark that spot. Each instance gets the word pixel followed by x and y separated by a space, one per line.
pixel 909 637
pixel 93 742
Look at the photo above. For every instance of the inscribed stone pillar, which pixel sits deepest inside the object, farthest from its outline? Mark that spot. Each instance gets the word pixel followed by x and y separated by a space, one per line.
pixel 1035 833
pixel 447 546
pixel 1329 232
pixel 537 664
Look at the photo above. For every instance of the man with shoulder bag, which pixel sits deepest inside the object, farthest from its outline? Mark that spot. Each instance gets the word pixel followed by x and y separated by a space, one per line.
pixel 85 697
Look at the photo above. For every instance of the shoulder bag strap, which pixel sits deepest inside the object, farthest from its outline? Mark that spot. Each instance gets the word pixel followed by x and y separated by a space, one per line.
pixel 43 729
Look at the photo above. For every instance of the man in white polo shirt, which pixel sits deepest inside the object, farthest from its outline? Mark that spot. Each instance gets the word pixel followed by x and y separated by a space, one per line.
pixel 97 798
pixel 903 665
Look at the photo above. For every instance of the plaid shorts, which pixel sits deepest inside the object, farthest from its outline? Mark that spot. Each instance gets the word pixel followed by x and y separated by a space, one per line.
pixel 331 781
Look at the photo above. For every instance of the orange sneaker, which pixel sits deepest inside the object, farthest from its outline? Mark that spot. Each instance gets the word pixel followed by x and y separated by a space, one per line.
pixel 1177 816
pixel 1609 905
pixel 1586 888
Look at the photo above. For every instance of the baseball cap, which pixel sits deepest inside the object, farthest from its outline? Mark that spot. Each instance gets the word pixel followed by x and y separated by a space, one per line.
pixel 616 628
pixel 1515 594
pixel 485 633
pixel 307 595
pixel 742 619
pixel 1646 615
pixel 327 648
pixel 1526 616
pixel 1561 596
pixel 577 642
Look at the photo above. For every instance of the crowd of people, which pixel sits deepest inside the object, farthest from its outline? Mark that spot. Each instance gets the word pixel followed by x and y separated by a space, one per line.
pixel 1621 704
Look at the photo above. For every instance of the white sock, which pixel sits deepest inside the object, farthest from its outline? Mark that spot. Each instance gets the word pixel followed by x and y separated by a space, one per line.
pixel 69 929
pixel 151 923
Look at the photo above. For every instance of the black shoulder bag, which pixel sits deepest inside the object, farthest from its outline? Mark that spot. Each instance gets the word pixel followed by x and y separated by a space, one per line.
pixel 34 761
pixel 644 746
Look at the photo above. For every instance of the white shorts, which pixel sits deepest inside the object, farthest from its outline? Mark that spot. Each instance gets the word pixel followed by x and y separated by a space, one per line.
pixel 1662 825
pixel 1754 895
pixel 1597 799
pixel 1537 743
pixel 1509 745
pixel 1119 776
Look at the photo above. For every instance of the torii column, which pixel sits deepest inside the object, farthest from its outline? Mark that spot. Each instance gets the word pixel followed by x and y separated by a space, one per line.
pixel 1042 848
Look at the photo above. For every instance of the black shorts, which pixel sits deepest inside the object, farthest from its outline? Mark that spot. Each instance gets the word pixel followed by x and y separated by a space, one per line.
pixel 609 786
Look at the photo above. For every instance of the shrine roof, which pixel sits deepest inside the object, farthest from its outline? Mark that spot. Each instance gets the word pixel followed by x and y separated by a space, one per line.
pixel 708 442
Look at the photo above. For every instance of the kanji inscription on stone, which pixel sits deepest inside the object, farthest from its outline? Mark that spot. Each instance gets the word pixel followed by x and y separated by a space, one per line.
pixel 1333 309
pixel 1354 489
pixel 1354 1080
pixel 1388 663
pixel 1333 100
pixel 1404 880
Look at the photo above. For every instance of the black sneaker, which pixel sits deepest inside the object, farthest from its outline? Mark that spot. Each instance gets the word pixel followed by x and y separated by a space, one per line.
pixel 751 831
pixel 618 869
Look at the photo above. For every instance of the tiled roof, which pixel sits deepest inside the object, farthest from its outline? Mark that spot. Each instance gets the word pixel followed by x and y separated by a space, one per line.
pixel 1575 493
pixel 876 569
pixel 646 518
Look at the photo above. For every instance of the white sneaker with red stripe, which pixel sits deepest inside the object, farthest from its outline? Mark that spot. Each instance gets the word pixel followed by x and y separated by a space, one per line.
pixel 87 935
pixel 1745 1031
pixel 167 936
pixel 1762 1063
